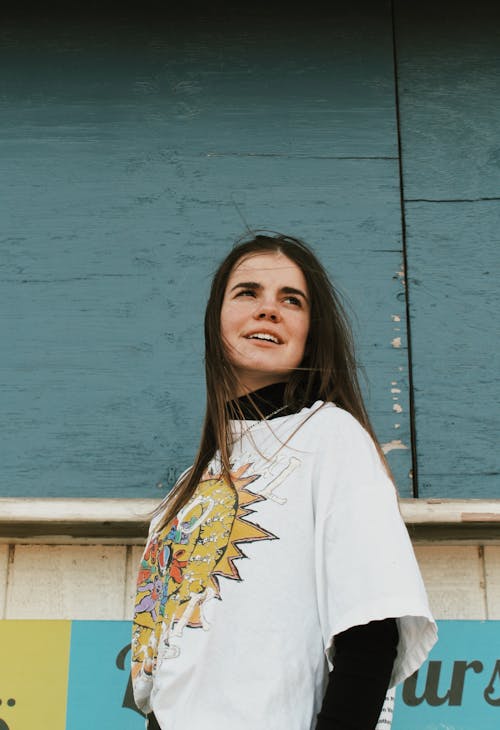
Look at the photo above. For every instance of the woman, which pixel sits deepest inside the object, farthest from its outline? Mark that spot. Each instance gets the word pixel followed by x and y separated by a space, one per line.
pixel 278 588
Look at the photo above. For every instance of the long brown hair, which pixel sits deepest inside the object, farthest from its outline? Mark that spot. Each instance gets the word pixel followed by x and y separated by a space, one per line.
pixel 327 372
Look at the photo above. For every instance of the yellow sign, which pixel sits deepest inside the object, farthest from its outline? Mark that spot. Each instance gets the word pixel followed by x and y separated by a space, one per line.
pixel 34 674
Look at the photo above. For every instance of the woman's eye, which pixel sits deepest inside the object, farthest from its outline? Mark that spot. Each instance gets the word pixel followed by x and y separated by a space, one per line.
pixel 246 292
pixel 294 300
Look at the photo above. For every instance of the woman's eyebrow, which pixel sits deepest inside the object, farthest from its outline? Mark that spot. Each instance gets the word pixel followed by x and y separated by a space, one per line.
pixel 247 285
pixel 255 285
pixel 291 290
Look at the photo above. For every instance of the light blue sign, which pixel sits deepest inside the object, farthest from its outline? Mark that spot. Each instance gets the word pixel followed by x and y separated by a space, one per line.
pixel 458 688
pixel 99 687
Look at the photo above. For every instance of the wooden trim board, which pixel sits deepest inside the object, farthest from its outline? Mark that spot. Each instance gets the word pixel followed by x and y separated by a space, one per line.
pixel 106 520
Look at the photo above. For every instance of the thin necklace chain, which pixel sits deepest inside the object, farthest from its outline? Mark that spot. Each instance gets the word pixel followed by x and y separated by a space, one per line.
pixel 274 413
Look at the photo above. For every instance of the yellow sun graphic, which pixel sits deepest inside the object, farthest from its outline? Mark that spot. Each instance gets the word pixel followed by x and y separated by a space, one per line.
pixel 241 530
pixel 183 562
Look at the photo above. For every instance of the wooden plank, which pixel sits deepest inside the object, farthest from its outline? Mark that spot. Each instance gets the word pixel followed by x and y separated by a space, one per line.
pixel 449 74
pixel 207 81
pixel 454 579
pixel 492 573
pixel 453 254
pixel 111 521
pixel 115 379
pixel 72 582
pixel 135 178
pixel 450 511
pixel 134 555
pixel 448 71
pixel 67 510
pixel 130 517
pixel 4 565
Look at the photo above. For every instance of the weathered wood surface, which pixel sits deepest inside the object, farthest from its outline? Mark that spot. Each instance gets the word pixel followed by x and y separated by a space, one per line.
pixel 127 151
pixel 492 578
pixel 98 582
pixel 133 558
pixel 448 78
pixel 108 521
pixel 449 75
pixel 454 578
pixel 454 262
pixel 4 567
pixel 78 582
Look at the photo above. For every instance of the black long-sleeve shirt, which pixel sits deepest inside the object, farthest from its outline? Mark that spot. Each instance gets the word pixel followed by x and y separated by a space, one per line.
pixel 358 682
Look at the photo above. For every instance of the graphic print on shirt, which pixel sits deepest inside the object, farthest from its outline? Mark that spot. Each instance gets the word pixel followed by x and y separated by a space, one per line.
pixel 184 560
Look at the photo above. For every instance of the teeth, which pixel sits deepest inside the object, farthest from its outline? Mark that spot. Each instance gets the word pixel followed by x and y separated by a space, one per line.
pixel 262 336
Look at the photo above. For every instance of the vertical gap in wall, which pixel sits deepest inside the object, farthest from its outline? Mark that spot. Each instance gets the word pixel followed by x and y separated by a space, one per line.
pixel 8 578
pixel 483 579
pixel 411 400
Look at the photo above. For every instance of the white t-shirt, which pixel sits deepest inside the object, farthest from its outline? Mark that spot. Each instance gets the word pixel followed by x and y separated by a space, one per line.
pixel 239 600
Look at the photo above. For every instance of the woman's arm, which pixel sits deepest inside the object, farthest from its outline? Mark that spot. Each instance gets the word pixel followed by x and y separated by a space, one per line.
pixel 358 682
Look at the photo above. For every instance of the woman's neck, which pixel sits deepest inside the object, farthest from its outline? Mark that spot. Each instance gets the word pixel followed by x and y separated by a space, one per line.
pixel 269 400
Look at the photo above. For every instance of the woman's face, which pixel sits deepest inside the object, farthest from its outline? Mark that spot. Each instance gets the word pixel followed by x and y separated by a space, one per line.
pixel 265 319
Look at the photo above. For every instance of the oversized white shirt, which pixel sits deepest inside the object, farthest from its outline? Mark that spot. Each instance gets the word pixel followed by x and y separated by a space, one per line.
pixel 240 598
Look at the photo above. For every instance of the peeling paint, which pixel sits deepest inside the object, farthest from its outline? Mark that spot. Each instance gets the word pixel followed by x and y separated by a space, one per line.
pixel 392 445
pixel 401 275
pixel 395 318
pixel 397 407
pixel 395 390
pixel 394 382
pixel 397 425
pixel 396 342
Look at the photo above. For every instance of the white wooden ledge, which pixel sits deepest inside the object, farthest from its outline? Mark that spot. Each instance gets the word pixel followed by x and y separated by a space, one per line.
pixel 125 520
pixel 59 520
pixel 452 520
pixel 450 511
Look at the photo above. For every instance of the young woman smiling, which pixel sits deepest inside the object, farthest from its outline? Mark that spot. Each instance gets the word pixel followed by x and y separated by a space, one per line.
pixel 264 319
pixel 278 587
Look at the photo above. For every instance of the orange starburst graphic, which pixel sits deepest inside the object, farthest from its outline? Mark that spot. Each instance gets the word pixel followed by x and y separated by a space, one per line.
pixel 184 561
pixel 242 531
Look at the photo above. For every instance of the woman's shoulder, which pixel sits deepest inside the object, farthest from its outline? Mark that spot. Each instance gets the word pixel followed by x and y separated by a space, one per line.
pixel 328 417
pixel 335 433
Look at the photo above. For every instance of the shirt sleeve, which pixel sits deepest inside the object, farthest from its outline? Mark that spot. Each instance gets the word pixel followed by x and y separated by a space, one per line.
pixel 365 565
pixel 364 657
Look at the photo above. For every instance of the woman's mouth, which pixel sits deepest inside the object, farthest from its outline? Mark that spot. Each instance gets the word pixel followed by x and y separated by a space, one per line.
pixel 263 337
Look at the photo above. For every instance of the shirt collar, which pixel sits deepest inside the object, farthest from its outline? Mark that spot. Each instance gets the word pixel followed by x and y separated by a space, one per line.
pixel 270 400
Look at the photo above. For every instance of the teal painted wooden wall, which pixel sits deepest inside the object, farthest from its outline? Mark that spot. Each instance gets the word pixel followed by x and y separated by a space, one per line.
pixel 131 147
pixel 449 81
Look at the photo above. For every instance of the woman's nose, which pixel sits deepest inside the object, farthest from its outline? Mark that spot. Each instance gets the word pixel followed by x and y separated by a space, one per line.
pixel 267 312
